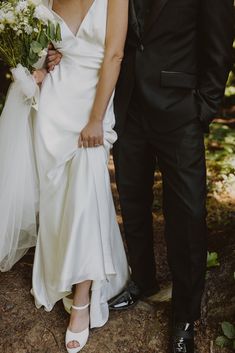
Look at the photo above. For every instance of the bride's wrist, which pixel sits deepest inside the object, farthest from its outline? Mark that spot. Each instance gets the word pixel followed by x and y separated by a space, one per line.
pixel 96 119
pixel 96 115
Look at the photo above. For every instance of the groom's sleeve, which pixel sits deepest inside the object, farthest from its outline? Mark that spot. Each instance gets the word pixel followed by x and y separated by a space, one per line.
pixel 216 35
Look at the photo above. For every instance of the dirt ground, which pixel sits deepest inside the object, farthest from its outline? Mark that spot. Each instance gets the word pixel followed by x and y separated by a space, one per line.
pixel 143 329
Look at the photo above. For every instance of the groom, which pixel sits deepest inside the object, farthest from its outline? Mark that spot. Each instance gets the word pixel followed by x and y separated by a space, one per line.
pixel 176 63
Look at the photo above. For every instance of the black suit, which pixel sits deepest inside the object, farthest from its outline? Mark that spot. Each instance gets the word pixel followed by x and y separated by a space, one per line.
pixel 171 84
pixel 180 64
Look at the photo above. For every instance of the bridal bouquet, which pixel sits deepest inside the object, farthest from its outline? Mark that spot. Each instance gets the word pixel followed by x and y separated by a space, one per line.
pixel 26 28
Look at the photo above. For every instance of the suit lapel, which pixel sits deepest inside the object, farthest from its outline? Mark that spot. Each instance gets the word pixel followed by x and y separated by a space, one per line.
pixel 133 18
pixel 156 9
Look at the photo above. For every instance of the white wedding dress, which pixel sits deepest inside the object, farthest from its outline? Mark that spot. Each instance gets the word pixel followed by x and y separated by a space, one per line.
pixel 79 238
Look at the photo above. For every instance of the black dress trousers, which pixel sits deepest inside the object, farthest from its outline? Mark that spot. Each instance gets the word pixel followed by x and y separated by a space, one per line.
pixel 181 159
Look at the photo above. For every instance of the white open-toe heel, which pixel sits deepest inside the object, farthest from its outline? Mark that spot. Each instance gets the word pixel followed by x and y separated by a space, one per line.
pixel 80 337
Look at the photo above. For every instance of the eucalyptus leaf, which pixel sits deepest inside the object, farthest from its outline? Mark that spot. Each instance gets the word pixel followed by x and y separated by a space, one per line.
pixel 51 28
pixel 58 33
pixel 32 55
pixel 32 62
pixel 48 32
pixel 228 330
pixel 32 59
pixel 36 47
pixel 43 39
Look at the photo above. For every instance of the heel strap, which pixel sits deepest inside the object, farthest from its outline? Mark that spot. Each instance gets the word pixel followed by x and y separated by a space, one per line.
pixel 80 307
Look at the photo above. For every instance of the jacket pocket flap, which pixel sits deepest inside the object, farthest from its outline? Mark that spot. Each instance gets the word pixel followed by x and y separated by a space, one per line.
pixel 178 79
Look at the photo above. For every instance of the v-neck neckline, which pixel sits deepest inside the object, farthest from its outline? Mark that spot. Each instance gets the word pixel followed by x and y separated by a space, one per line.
pixel 75 35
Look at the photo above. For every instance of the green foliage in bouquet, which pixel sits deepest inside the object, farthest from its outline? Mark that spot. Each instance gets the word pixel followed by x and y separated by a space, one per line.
pixel 26 29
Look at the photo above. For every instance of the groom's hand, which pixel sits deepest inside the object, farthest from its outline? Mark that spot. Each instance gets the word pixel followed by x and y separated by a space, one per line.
pixel 53 58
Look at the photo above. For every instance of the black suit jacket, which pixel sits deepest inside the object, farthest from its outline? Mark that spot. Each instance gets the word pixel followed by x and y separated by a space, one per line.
pixel 179 65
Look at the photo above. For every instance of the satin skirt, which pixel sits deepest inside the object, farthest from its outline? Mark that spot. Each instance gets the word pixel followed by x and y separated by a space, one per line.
pixel 79 238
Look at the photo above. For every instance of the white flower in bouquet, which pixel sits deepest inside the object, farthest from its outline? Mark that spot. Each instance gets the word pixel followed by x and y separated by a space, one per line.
pixel 34 2
pixel 9 17
pixel 42 53
pixel 22 6
pixel 43 14
pixel 28 29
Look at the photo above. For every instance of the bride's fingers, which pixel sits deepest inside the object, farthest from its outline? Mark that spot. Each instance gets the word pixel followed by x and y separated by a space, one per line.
pixel 50 46
pixel 85 143
pixel 53 60
pixel 101 141
pixel 52 57
pixel 52 52
pixel 96 142
pixel 80 142
pixel 57 59
pixel 35 76
pixel 38 76
pixel 90 142
pixel 50 66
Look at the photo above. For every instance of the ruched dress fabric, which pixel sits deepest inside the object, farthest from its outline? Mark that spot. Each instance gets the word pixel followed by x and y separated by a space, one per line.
pixel 79 238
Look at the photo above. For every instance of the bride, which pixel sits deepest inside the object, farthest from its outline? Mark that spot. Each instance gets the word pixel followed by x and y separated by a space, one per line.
pixel 79 246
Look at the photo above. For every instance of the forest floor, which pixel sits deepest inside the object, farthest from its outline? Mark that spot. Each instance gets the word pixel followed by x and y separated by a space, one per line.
pixel 143 329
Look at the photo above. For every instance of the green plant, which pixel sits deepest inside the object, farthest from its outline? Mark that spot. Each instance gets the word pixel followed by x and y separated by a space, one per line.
pixel 212 260
pixel 220 153
pixel 230 87
pixel 228 337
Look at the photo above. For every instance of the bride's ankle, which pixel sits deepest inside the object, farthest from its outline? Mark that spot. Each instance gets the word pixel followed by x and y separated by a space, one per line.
pixel 79 320
pixel 82 294
pixel 81 302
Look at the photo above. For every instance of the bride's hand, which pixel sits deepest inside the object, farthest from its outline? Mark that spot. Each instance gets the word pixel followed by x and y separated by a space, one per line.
pixel 53 58
pixel 91 135
pixel 39 75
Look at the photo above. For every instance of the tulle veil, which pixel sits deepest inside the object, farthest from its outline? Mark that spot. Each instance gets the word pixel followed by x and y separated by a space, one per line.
pixel 19 185
pixel 19 196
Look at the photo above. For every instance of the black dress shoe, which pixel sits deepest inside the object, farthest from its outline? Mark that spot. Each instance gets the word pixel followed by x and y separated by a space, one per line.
pixel 183 338
pixel 126 299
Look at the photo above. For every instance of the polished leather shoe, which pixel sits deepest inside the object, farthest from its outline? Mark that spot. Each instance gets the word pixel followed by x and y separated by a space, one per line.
pixel 126 299
pixel 183 338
